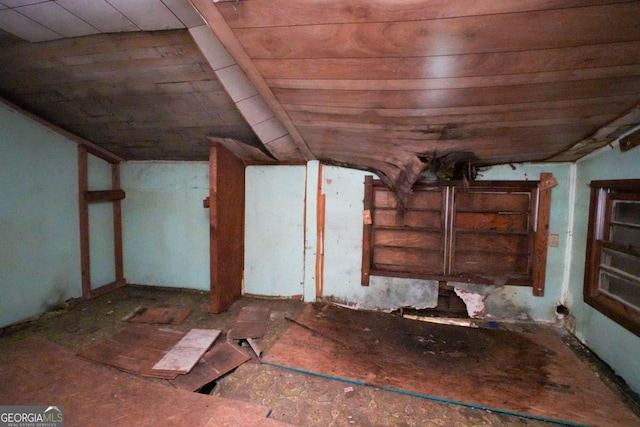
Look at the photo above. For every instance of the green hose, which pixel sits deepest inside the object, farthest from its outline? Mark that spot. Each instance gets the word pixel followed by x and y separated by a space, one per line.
pixel 426 396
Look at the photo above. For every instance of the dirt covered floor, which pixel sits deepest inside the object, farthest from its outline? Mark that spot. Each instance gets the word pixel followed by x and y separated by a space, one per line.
pixel 293 397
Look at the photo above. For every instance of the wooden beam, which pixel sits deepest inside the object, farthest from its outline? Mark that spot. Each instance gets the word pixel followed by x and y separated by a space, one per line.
pixel 320 227
pixel 83 205
pixel 227 37
pixel 117 225
pixel 367 230
pixel 115 195
pixel 104 195
pixel 547 182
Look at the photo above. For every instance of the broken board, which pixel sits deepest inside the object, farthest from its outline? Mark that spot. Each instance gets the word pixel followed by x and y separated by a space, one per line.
pixel 221 359
pixel 136 349
pixel 36 370
pixel 251 323
pixel 533 374
pixel 160 315
pixel 186 353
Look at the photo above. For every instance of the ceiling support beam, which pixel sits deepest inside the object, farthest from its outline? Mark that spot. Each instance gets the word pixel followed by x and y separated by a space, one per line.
pixel 278 133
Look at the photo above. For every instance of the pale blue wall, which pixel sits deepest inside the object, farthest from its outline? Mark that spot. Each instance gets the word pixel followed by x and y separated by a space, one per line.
pixel 40 246
pixel 344 191
pixel 614 344
pixel 518 302
pixel 280 244
pixel 101 246
pixel 165 227
pixel 274 231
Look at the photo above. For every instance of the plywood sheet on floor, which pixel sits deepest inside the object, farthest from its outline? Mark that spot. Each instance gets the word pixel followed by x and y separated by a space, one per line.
pixel 36 370
pixel 160 315
pixel 136 349
pixel 524 373
pixel 221 359
pixel 251 323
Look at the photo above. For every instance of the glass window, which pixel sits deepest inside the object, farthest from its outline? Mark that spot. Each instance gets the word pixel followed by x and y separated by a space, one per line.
pixel 612 271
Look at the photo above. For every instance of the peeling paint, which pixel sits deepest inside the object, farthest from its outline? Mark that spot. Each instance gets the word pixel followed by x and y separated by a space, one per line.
pixel 474 302
pixel 389 294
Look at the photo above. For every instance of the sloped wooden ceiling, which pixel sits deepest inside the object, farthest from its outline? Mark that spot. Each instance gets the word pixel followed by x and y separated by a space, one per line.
pixel 140 95
pixel 395 87
pixel 391 85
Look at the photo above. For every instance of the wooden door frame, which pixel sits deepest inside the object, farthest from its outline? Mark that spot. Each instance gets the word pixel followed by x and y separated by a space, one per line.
pixel 85 197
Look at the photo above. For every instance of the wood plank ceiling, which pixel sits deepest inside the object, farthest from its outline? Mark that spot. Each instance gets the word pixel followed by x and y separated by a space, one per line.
pixel 395 87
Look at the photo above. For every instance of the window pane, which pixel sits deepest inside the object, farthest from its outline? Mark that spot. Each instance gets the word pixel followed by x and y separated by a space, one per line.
pixel 625 218
pixel 623 262
pixel 624 235
pixel 627 212
pixel 612 271
pixel 621 289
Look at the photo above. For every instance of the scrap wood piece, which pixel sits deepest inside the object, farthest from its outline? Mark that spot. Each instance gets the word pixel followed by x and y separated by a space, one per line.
pixel 221 359
pixel 186 353
pixel 255 347
pixel 135 349
pixel 35 369
pixel 251 323
pixel 164 315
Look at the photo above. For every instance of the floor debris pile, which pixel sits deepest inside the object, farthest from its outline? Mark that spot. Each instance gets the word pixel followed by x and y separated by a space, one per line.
pixel 269 362
pixel 37 370
pixel 190 360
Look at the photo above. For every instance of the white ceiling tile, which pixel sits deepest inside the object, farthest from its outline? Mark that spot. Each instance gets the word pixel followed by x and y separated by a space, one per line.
pixel 269 130
pixel 216 54
pixel 285 146
pixel 57 19
pixel 99 14
pixel 255 110
pixel 236 83
pixel 149 15
pixel 25 28
pixel 185 12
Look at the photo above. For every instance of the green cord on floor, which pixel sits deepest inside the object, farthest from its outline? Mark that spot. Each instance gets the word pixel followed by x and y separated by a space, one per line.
pixel 428 397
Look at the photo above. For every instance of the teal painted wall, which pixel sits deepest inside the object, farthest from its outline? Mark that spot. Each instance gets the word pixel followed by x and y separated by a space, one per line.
pixel 513 302
pixel 611 342
pixel 281 244
pixel 101 249
pixel 274 231
pixel 344 190
pixel 165 227
pixel 40 249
